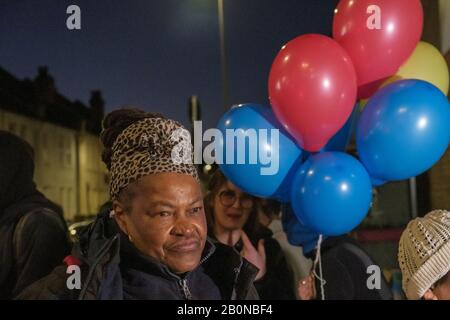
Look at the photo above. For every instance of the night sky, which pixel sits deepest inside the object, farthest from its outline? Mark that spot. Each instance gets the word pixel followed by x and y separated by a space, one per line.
pixel 156 53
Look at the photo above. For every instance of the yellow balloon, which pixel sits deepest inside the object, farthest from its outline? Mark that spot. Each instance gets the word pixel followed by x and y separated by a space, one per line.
pixel 362 104
pixel 426 63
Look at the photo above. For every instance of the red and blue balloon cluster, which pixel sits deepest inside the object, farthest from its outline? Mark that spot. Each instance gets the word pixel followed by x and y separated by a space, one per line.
pixel 314 86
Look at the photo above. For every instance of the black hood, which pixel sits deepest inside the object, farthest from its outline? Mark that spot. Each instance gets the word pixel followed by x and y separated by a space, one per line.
pixel 18 194
pixel 16 170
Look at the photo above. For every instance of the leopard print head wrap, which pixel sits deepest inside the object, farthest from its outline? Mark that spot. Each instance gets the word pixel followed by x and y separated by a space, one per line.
pixel 149 146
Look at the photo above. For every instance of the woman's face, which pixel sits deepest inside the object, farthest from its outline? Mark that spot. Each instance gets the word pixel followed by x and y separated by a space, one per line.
pixel 166 220
pixel 232 207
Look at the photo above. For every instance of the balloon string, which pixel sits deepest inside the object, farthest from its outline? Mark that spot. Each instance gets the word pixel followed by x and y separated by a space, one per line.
pixel 318 260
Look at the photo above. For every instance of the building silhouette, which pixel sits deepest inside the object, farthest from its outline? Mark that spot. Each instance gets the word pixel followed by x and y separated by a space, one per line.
pixel 64 135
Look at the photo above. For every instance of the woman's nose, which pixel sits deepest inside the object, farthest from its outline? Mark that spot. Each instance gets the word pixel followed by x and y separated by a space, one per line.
pixel 237 203
pixel 183 227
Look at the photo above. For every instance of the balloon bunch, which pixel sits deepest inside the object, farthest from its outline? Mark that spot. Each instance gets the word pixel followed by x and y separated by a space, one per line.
pixel 314 84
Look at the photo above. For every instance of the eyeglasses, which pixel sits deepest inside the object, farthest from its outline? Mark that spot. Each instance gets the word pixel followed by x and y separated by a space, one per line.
pixel 228 198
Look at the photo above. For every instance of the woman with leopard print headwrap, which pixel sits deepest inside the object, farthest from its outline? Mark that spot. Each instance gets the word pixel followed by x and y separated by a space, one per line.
pixel 153 244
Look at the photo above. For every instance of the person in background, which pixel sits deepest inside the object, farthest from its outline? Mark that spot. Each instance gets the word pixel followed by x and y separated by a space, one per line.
pixel 33 233
pixel 424 257
pixel 233 220
pixel 340 268
pixel 269 213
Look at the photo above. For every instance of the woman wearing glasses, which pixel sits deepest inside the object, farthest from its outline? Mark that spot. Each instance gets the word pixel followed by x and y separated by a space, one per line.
pixel 233 220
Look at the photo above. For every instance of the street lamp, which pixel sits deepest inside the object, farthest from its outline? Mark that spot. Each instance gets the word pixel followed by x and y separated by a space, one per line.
pixel 223 56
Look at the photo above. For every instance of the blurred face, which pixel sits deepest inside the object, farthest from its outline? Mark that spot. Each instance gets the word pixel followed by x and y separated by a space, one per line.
pixel 442 291
pixel 166 220
pixel 232 207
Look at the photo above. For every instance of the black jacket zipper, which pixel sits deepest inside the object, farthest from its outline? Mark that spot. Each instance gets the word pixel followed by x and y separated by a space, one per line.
pixel 183 282
pixel 185 288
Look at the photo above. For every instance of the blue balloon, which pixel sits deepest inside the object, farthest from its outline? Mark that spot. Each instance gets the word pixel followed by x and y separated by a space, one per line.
pixel 341 139
pixel 331 193
pixel 256 175
pixel 297 233
pixel 403 130
pixel 377 182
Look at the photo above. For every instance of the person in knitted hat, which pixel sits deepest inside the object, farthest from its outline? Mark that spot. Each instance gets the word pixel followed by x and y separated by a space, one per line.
pixel 424 257
pixel 153 244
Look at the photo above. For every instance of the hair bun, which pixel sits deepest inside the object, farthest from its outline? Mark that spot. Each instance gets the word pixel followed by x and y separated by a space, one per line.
pixel 117 121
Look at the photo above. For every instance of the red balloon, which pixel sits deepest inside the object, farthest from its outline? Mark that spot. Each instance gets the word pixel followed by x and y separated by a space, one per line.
pixel 367 90
pixel 312 89
pixel 379 35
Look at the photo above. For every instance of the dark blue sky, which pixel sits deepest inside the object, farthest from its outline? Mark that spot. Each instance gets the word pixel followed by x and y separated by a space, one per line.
pixel 156 53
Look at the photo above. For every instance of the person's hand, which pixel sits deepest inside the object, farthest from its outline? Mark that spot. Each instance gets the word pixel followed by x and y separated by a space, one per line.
pixel 429 295
pixel 306 288
pixel 256 257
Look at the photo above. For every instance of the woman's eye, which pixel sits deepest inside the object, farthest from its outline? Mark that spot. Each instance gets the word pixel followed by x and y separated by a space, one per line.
pixel 196 210
pixel 164 214
pixel 229 194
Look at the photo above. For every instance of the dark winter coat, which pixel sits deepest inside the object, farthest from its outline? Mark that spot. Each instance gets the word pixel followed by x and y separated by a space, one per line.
pixel 112 268
pixel 33 234
pixel 345 270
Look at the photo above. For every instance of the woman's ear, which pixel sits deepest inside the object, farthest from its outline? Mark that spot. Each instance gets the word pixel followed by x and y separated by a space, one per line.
pixel 429 295
pixel 120 216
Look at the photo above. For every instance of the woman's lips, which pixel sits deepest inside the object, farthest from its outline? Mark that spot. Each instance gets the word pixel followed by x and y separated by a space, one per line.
pixel 185 246
pixel 234 215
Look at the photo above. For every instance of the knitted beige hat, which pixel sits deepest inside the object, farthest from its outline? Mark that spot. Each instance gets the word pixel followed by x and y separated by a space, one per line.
pixel 424 252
